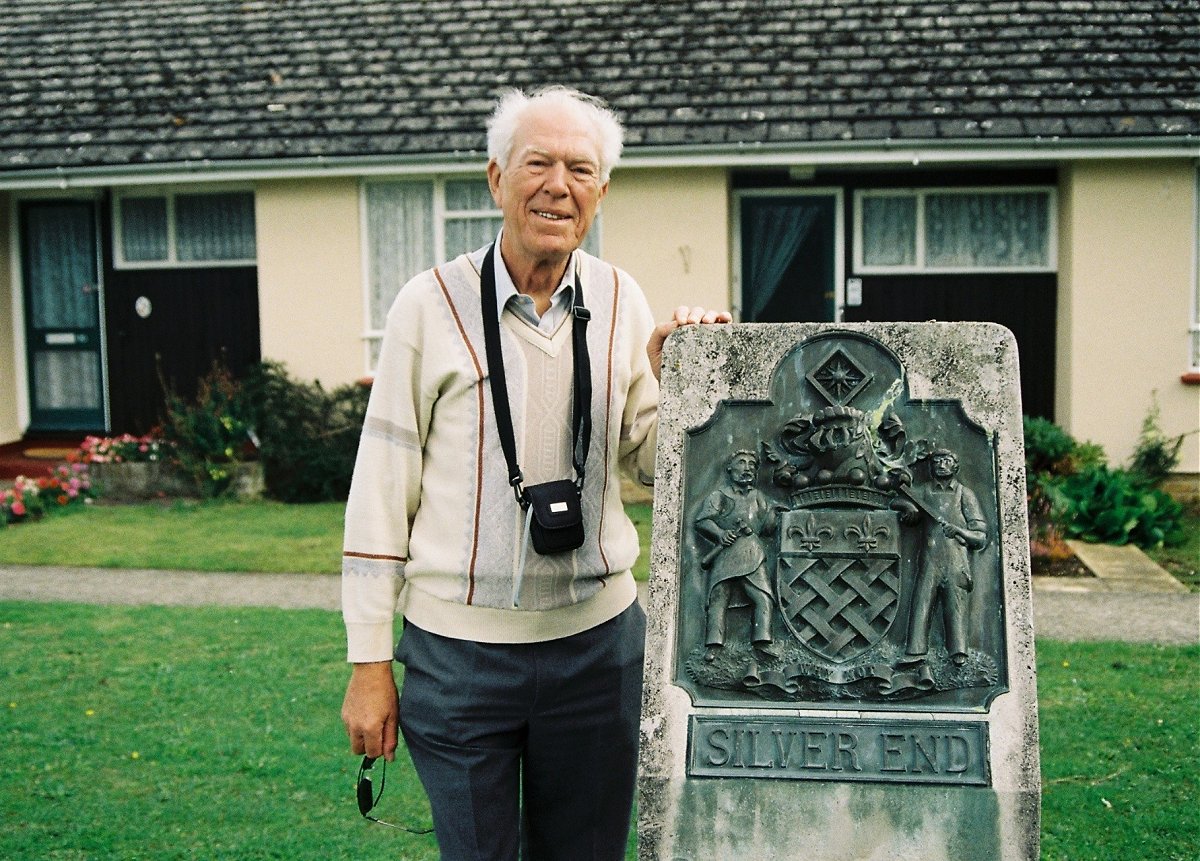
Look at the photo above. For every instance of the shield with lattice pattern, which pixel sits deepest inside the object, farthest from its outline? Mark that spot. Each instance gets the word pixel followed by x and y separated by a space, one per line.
pixel 838 578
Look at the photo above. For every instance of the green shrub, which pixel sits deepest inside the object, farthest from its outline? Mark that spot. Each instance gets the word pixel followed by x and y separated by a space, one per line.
pixel 1072 493
pixel 210 432
pixel 1108 506
pixel 1156 454
pixel 1050 450
pixel 307 436
pixel 1047 446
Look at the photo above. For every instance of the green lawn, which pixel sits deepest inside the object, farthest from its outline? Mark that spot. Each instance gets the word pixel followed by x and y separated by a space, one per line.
pixel 271 536
pixel 204 536
pixel 180 733
pixel 184 535
pixel 1183 561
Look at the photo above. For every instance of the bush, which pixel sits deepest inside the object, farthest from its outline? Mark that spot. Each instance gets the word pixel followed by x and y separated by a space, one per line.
pixel 1112 507
pixel 1047 447
pixel 1050 450
pixel 307 436
pixel 211 432
pixel 1156 454
pixel 1072 493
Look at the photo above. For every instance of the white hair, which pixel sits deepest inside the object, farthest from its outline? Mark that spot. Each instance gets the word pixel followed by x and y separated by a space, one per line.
pixel 512 106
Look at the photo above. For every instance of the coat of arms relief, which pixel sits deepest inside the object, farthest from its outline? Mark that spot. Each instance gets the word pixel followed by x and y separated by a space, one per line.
pixel 840 543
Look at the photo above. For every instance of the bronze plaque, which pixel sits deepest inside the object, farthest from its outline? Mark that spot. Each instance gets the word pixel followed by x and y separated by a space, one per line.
pixel 840 544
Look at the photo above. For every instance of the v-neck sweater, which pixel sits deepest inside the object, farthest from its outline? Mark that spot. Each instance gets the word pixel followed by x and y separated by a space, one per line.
pixel 433 530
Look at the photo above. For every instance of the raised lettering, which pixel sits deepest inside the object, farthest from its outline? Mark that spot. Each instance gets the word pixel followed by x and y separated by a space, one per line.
pixel 918 748
pixel 890 746
pixel 754 763
pixel 847 753
pixel 818 748
pixel 715 744
pixel 953 765
pixel 783 752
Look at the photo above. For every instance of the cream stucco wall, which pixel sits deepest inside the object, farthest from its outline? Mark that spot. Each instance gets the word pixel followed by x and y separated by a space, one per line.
pixel 1128 236
pixel 670 230
pixel 310 283
pixel 10 428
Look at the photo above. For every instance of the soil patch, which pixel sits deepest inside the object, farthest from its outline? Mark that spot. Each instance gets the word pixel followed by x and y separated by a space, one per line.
pixel 1059 566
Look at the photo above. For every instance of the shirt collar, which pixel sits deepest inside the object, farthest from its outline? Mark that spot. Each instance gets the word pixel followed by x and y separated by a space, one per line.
pixel 506 291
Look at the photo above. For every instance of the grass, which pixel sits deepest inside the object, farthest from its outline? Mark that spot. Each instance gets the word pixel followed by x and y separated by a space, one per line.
pixel 1183 562
pixel 205 536
pixel 272 537
pixel 172 733
pixel 155 733
pixel 640 513
pixel 1120 751
pixel 184 535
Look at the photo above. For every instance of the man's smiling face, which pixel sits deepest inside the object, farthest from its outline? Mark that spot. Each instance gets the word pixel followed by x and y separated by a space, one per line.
pixel 550 188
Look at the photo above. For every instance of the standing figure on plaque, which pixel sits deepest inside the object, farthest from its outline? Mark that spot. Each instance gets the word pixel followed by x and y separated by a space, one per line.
pixel 954 527
pixel 733 518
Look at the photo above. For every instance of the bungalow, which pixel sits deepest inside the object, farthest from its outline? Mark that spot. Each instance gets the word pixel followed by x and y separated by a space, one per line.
pixel 184 180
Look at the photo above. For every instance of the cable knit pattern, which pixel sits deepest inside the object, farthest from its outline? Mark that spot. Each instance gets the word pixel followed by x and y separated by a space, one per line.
pixel 432 528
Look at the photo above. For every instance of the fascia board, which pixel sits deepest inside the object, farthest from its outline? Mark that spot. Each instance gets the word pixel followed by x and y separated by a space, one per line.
pixel 739 156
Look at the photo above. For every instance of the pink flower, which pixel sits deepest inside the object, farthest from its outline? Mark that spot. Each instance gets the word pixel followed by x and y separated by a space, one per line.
pixel 18 508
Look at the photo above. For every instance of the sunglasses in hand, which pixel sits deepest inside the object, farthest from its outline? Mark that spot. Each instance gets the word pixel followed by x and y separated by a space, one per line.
pixel 368 798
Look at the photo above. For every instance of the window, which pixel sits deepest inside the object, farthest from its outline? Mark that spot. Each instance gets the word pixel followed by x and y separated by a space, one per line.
pixel 955 230
pixel 157 230
pixel 414 224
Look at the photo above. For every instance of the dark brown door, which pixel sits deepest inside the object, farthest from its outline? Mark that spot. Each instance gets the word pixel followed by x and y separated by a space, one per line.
pixel 167 326
pixel 1025 303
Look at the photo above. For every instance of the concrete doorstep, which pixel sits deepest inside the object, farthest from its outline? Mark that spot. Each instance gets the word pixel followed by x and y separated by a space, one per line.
pixel 1125 568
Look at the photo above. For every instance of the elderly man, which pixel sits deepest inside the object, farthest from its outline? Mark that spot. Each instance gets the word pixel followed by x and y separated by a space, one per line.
pixel 522 680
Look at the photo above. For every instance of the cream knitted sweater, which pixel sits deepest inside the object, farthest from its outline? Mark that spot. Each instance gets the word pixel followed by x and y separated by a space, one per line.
pixel 433 530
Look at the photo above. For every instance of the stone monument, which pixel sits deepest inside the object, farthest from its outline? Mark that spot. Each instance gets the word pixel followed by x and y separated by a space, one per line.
pixel 840 657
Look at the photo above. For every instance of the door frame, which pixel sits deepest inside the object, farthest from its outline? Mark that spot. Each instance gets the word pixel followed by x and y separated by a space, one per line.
pixel 839 240
pixel 17 279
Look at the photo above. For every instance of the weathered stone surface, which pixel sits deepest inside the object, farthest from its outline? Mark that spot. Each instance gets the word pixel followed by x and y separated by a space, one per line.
pixel 818 484
pixel 136 481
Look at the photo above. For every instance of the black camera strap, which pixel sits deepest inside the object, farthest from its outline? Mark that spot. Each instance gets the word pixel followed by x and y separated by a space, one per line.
pixel 581 417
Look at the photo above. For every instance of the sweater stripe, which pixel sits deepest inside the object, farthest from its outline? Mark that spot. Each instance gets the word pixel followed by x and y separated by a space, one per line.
pixel 462 332
pixel 612 335
pixel 355 554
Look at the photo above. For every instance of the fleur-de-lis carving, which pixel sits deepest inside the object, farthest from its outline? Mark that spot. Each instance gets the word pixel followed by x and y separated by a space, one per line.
pixel 809 534
pixel 866 532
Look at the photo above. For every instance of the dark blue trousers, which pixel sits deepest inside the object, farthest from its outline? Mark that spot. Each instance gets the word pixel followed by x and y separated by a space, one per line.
pixel 529 749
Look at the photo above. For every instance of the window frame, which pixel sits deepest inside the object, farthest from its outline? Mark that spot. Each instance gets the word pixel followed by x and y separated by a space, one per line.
pixel 440 215
pixel 169 193
pixel 921 194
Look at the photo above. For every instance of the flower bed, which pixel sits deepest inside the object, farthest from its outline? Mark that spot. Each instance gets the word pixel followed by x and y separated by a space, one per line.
pixel 30 498
pixel 125 448
pixel 130 468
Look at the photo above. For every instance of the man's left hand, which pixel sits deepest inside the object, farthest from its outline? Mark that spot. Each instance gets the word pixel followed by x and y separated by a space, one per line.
pixel 683 316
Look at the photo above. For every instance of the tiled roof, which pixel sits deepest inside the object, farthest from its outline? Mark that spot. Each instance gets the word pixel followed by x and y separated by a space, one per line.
pixel 120 82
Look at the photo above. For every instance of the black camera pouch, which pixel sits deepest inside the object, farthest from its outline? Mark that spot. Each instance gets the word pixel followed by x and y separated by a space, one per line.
pixel 556 525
